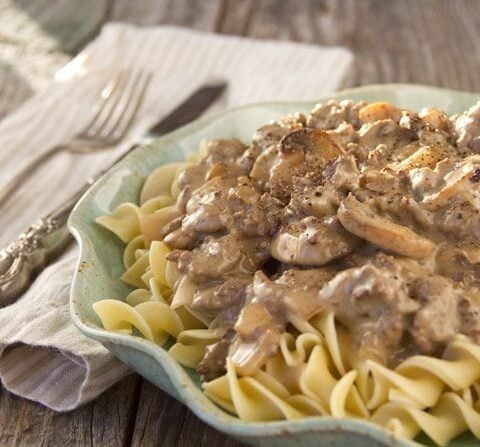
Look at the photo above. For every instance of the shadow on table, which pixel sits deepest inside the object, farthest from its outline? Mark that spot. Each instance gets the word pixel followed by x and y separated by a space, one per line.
pixel 14 89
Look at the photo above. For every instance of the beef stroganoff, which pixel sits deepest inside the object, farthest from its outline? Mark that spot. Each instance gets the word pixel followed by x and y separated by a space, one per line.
pixel 329 267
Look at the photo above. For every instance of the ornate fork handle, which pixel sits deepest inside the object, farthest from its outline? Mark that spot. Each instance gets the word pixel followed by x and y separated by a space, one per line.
pixel 39 244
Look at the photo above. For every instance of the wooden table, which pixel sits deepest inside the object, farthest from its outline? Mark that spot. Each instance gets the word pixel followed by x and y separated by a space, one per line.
pixel 434 42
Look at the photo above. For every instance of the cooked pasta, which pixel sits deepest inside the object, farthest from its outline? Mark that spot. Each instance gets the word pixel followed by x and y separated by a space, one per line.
pixel 331 308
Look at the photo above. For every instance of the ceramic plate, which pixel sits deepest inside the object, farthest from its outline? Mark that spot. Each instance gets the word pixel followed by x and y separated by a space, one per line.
pixel 100 266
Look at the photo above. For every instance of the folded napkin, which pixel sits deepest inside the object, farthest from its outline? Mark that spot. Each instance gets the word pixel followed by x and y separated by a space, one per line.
pixel 42 355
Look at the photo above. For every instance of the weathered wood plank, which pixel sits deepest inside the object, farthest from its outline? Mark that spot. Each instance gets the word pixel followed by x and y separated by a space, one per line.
pixel 161 420
pixel 235 17
pixel 428 42
pixel 189 13
pixel 197 433
pixel 105 422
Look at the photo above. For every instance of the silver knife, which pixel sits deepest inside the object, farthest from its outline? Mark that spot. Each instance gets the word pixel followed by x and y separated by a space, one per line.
pixel 35 248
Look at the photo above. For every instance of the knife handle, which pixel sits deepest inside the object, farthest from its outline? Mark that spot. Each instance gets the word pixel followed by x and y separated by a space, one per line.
pixel 25 257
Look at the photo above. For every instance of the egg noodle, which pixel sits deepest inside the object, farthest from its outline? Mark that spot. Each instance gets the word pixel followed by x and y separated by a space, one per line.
pixel 314 373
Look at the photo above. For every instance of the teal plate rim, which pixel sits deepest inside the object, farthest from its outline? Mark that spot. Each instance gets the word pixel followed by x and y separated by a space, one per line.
pixel 180 382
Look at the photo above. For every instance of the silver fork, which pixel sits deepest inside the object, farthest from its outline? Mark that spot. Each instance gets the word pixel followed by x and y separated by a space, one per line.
pixel 115 109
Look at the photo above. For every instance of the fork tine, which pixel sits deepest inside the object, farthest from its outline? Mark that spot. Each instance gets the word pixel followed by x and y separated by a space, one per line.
pixel 111 96
pixel 118 109
pixel 117 127
pixel 107 91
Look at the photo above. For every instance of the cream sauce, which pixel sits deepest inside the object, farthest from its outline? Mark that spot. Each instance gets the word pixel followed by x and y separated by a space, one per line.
pixel 369 211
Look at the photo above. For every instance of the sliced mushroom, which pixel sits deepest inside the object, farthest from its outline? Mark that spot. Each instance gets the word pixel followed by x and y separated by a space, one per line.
pixel 313 146
pixel 272 133
pixel 181 239
pixel 425 156
pixel 360 220
pixel 314 141
pixel 216 170
pixel 285 168
pixel 379 181
pixel 262 166
pixel 461 178
pixel 312 242
pixel 379 111
pixel 436 118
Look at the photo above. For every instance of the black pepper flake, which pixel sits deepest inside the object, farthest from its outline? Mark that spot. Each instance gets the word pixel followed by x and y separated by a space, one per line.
pixel 475 178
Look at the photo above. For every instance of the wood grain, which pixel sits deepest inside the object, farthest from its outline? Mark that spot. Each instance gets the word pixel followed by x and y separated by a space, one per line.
pixel 202 15
pixel 173 425
pixel 433 42
pixel 105 422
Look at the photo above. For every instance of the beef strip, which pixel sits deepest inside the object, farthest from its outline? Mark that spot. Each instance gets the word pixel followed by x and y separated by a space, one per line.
pixel 217 297
pixel 269 306
pixel 225 204
pixel 373 304
pixel 438 320
pixel 218 256
pixel 213 363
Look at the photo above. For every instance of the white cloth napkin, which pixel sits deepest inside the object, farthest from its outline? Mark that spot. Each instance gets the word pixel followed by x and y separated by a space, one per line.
pixel 42 355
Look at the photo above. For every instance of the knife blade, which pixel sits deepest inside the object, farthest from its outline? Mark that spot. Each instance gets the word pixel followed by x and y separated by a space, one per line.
pixel 43 241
